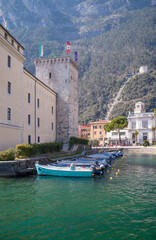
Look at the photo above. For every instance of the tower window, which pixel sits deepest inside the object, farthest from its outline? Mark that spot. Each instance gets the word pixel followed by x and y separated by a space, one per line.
pixel 38 139
pixel 38 122
pixel 29 139
pixel 18 48
pixel 38 102
pixel 29 119
pixel 6 36
pixel 52 126
pixel 52 110
pixel 9 87
pixel 49 75
pixel 9 114
pixel 9 61
pixel 28 97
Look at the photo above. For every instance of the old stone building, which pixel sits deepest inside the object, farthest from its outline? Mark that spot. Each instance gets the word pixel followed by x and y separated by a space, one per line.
pixel 61 75
pixel 35 109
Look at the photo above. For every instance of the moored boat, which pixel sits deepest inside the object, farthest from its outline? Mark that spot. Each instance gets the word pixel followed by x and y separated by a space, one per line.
pixel 64 171
pixel 97 166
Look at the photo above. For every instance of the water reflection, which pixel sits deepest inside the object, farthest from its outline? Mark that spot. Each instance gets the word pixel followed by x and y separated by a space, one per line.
pixel 73 208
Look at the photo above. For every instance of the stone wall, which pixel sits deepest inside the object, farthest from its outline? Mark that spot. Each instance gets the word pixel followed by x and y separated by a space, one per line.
pixel 61 75
pixel 128 149
pixel 145 150
pixel 12 168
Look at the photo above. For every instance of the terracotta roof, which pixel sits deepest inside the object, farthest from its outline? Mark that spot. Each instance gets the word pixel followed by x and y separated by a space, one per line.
pixel 85 126
pixel 101 121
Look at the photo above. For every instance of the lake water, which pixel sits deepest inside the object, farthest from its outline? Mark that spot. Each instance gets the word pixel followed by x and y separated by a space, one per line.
pixel 61 208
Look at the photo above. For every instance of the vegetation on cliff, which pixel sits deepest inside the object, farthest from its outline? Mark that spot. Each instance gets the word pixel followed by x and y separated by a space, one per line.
pixel 112 38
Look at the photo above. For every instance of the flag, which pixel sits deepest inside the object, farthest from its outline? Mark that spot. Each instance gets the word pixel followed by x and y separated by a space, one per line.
pixel 54 56
pixel 68 47
pixel 41 50
pixel 76 55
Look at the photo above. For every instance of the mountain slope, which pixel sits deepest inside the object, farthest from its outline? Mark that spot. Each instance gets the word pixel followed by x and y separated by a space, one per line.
pixel 112 37
pixel 116 53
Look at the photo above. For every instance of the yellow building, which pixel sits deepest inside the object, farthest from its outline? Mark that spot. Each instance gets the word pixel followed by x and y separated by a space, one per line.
pixel 40 111
pixel 98 132
pixel 27 105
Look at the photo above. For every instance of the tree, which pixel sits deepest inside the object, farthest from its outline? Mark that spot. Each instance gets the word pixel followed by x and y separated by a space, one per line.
pixel 93 142
pixel 136 136
pixel 117 124
pixel 153 131
pixel 154 112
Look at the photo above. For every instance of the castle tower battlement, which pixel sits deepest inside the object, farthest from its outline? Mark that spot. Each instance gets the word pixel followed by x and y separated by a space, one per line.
pixel 61 75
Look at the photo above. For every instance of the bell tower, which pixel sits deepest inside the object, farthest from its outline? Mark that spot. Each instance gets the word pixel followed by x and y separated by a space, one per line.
pixel 61 75
pixel 139 107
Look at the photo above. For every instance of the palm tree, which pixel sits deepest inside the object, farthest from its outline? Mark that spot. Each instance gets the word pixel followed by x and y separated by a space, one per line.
pixel 153 130
pixel 136 137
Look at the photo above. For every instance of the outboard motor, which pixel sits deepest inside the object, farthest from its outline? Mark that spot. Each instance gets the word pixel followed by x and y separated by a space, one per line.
pixel 102 166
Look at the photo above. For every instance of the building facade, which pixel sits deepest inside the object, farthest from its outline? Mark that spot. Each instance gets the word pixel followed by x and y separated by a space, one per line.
pixel 11 90
pixel 39 111
pixel 143 69
pixel 61 75
pixel 141 125
pixel 28 105
pixel 98 132
pixel 113 138
pixel 84 131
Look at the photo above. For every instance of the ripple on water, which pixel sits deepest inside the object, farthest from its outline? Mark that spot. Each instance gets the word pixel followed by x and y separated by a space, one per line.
pixel 100 208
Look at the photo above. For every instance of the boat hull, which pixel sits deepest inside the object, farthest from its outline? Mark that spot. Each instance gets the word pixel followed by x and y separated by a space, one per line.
pixel 49 171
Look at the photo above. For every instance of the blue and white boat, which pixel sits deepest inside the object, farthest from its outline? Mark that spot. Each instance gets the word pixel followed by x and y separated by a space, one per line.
pixel 64 171
pixel 98 166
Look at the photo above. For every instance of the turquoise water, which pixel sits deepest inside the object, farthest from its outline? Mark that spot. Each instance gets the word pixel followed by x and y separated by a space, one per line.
pixel 100 208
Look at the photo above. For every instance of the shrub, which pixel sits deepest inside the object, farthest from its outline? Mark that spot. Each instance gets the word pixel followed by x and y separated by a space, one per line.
pixel 36 148
pixel 50 147
pixel 75 140
pixel 54 147
pixel 27 150
pixel 43 148
pixel 7 155
pixel 24 150
pixel 93 142
pixel 146 143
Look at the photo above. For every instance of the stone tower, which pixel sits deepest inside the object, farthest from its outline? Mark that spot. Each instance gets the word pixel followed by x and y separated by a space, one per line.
pixel 61 75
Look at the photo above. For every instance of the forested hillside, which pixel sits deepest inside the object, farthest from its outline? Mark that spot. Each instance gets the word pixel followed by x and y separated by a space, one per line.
pixel 140 88
pixel 112 37
pixel 111 56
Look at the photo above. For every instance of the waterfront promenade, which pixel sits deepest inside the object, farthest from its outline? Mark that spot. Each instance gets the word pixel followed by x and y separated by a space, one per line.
pixel 21 166
pixel 130 149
